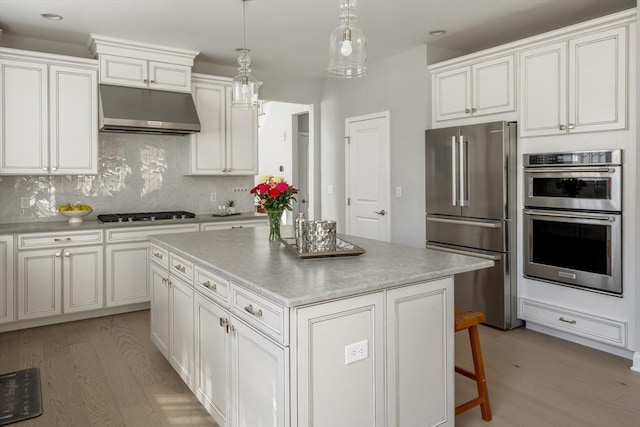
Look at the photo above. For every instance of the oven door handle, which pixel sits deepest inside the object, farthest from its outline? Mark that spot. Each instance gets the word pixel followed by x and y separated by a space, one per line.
pixel 469 253
pixel 574 215
pixel 569 170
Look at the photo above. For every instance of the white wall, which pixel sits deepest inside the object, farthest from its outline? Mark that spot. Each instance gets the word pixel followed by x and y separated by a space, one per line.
pixel 400 85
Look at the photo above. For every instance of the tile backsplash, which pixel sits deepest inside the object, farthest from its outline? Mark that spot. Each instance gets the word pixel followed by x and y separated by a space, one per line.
pixel 136 173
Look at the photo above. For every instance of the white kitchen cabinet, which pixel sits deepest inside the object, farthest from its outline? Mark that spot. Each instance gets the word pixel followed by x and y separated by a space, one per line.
pixel 49 117
pixel 181 328
pixel 127 255
pixel 7 300
pixel 475 89
pixel 127 275
pixel 574 85
pixel 136 72
pixel 418 352
pixel 226 225
pixel 212 358
pixel 172 319
pixel 227 143
pixel 40 281
pixel 160 309
pixel 82 278
pixel 54 264
pixel 324 332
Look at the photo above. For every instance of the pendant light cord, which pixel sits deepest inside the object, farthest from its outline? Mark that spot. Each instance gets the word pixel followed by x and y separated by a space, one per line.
pixel 244 27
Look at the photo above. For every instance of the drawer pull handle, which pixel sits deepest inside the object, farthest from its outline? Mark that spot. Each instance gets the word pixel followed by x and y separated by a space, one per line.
pixel 180 268
pixel 158 255
pixel 208 285
pixel 562 319
pixel 236 226
pixel 230 328
pixel 249 309
pixel 60 239
pixel 223 322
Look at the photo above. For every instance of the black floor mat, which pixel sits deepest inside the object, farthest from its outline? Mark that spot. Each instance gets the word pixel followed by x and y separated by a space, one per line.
pixel 20 396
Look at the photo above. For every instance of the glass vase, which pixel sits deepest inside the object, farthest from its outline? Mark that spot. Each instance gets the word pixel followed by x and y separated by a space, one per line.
pixel 274 223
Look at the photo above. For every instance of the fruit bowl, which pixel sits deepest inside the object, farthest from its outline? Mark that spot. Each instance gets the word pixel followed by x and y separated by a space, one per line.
pixel 75 217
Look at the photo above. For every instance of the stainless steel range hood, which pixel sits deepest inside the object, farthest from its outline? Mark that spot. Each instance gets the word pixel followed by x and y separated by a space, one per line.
pixel 136 110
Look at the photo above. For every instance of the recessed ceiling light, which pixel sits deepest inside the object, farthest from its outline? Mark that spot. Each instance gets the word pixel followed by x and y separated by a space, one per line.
pixel 437 33
pixel 51 16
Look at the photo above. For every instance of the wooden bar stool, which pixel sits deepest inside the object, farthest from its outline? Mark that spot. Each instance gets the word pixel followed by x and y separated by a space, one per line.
pixel 466 319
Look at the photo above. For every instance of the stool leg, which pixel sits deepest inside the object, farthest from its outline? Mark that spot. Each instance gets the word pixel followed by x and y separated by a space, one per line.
pixel 478 366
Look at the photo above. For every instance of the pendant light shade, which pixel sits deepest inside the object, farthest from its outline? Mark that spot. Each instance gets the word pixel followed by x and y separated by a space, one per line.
pixel 347 45
pixel 244 86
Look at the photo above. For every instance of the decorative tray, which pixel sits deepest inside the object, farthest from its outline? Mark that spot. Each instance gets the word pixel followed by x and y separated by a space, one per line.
pixel 225 214
pixel 343 248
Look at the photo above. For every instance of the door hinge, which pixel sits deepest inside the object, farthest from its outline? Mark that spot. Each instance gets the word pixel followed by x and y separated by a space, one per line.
pixel 347 139
pixel 348 201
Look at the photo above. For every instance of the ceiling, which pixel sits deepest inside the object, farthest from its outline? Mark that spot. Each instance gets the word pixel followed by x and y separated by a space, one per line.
pixel 291 36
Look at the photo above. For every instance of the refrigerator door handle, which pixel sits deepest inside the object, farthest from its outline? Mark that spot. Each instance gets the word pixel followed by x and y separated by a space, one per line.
pixel 454 186
pixel 465 222
pixel 462 170
pixel 469 253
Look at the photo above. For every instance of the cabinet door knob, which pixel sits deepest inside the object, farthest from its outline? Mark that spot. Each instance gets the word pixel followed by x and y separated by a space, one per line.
pixel 57 254
pixel 145 81
pixel 473 110
pixel 562 127
pixel 66 254
pixel 53 168
pixel 157 255
pixel 572 126
pixel 223 322
pixel 152 82
pixel 467 111
pixel 45 168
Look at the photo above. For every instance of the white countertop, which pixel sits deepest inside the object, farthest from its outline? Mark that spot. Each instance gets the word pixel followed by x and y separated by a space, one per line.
pixel 247 257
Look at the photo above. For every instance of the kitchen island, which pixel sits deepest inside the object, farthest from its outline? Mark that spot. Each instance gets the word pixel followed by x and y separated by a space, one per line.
pixel 263 337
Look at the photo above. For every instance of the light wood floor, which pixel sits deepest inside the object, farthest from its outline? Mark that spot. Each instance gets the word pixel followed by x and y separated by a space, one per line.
pixel 106 371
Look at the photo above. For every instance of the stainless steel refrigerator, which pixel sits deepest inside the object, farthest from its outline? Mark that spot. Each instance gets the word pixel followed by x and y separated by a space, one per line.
pixel 471 209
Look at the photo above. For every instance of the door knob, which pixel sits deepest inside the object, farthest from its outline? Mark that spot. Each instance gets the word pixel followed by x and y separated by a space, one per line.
pixel 382 212
pixel 303 200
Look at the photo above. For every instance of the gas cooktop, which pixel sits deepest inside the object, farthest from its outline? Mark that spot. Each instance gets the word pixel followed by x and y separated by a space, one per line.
pixel 145 216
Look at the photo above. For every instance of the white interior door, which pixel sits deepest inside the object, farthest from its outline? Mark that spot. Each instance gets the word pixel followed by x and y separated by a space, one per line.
pixel 367 176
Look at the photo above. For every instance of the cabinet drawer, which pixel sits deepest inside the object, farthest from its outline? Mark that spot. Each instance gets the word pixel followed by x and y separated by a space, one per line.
pixel 58 239
pixel 160 256
pixel 226 225
pixel 132 234
pixel 181 267
pixel 596 328
pixel 212 285
pixel 266 316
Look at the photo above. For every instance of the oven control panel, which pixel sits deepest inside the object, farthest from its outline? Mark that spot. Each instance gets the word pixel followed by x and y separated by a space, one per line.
pixel 580 158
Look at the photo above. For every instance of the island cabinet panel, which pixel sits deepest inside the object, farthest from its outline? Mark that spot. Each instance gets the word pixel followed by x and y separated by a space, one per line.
pixel 420 355
pixel 212 358
pixel 6 279
pixel 334 391
pixel 181 328
pixel 127 278
pixel 160 309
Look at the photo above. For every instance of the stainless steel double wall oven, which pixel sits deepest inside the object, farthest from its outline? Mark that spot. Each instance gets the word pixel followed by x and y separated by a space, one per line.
pixel 573 219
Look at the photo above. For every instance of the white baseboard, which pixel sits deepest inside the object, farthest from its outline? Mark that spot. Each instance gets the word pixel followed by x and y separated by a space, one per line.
pixel 636 362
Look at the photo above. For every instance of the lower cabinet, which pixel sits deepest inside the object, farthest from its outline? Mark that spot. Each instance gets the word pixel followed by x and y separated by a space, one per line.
pixel 172 321
pixel 378 359
pixel 242 377
pixel 41 284
pixel 127 275
pixel 7 300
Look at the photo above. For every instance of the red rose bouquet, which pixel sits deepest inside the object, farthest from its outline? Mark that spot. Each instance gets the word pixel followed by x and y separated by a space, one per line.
pixel 274 194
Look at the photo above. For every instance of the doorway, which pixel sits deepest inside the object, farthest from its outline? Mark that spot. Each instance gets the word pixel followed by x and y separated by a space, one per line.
pixel 367 176
pixel 284 148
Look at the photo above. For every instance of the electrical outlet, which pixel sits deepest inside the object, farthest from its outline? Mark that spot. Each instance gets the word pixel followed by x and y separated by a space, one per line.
pixel 240 190
pixel 356 351
pixel 25 203
pixel 213 197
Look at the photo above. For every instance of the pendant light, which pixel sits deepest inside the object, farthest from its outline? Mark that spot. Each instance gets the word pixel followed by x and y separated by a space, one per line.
pixel 244 86
pixel 347 45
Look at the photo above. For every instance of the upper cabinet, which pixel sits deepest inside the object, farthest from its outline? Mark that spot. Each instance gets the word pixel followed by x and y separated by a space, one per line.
pixel 227 143
pixel 125 63
pixel 475 89
pixel 48 114
pixel 575 85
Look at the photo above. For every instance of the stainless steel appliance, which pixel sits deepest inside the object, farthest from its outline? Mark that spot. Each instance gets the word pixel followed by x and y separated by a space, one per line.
pixel 145 216
pixel 572 219
pixel 471 209
pixel 139 110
